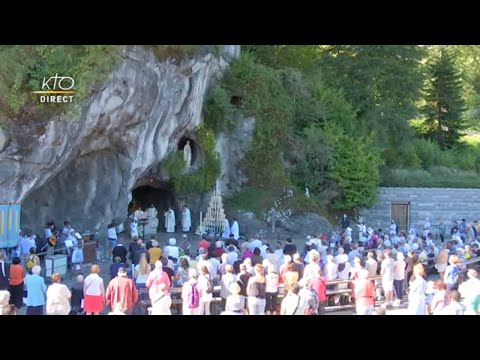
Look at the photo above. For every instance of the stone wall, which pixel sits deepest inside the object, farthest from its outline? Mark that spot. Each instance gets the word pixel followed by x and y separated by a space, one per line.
pixel 435 204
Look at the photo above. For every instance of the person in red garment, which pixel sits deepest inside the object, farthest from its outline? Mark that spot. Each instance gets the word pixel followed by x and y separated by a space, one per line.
pixel 364 294
pixel 122 290
pixel 319 285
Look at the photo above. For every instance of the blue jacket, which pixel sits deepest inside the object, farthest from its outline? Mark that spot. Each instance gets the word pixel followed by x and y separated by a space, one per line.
pixel 36 289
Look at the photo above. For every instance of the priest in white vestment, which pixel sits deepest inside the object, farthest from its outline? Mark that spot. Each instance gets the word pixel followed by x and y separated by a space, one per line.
pixel 169 221
pixel 186 219
pixel 152 212
pixel 235 229
pixel 226 230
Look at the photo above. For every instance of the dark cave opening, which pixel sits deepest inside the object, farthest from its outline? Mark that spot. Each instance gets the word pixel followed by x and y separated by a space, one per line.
pixel 160 198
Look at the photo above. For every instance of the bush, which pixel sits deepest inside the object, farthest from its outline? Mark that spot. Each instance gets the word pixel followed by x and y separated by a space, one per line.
pixel 428 152
pixel 23 67
pixel 262 96
pixel 435 177
pixel 218 111
pixel 251 199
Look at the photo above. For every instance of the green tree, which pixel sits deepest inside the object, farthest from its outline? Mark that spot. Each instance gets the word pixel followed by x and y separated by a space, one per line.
pixel 300 57
pixel 468 62
pixel 444 103
pixel 261 94
pixel 316 164
pixel 381 82
pixel 356 169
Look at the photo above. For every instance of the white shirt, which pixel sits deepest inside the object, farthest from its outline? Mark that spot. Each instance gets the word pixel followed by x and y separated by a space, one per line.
pixel 454 308
pixel 172 251
pixel 371 265
pixel 47 233
pixel 399 270
pixel 393 229
pixel 134 229
pixel 316 241
pixel 341 258
pixel 215 264
pixel 93 285
pixel 202 288
pixel 294 305
pixel 330 271
pixel 387 243
pixel 25 246
pixel 387 269
pixel 112 234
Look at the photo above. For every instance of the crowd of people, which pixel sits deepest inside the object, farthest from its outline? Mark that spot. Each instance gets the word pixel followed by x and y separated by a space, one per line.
pixel 251 276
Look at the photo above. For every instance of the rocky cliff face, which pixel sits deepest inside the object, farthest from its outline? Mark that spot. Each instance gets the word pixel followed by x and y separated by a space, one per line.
pixel 233 147
pixel 85 169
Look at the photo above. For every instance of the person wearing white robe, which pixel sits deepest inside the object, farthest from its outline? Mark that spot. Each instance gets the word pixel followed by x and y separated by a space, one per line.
pixel 426 228
pixel 152 212
pixel 169 221
pixel 133 228
pixel 186 219
pixel 235 229
pixel 138 214
pixel 393 228
pixel 416 295
pixel 226 230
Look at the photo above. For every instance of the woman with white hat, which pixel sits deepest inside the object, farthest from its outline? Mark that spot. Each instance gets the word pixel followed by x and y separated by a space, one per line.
pixel 172 249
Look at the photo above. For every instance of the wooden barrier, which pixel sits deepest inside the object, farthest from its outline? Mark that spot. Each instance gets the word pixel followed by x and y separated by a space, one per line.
pixel 177 301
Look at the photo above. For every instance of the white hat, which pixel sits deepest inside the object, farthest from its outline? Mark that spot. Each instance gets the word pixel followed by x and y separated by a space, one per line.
pixel 172 241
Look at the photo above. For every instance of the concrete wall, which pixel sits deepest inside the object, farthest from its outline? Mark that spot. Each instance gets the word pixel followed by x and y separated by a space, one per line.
pixel 436 204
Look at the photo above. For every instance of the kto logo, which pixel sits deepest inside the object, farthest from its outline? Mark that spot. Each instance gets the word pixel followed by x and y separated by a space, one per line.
pixel 56 89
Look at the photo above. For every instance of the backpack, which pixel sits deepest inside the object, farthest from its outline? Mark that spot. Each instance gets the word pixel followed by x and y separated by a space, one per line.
pixel 209 286
pixel 30 263
pixel 194 297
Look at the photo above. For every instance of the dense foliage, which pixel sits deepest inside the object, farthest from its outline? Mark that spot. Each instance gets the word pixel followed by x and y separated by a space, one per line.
pixel 342 120
pixel 339 120
pixel 23 68
pixel 444 105
pixel 202 179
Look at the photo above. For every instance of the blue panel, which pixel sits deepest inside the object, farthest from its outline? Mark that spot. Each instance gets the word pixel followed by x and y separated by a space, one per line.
pixel 9 225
